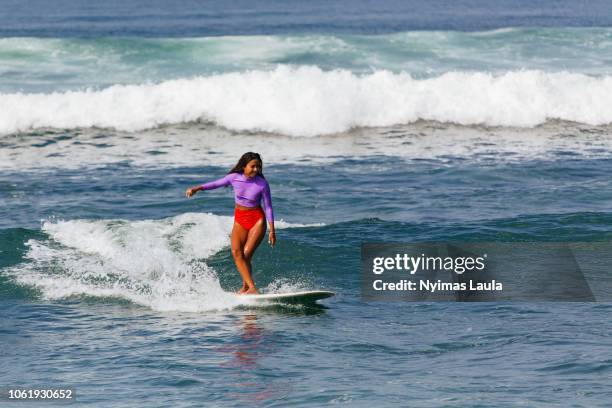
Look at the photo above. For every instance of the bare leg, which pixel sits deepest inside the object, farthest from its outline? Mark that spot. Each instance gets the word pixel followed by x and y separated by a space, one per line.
pixel 239 237
pixel 254 238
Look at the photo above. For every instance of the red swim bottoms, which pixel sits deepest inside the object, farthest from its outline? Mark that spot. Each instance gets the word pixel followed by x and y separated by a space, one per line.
pixel 248 218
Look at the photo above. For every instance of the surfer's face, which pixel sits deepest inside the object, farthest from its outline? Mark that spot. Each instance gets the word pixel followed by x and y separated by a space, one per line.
pixel 252 168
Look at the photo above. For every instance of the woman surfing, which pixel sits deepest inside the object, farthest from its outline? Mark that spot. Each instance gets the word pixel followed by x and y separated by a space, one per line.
pixel 250 187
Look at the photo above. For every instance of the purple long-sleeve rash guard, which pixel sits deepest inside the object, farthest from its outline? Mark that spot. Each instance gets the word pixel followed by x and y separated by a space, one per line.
pixel 248 192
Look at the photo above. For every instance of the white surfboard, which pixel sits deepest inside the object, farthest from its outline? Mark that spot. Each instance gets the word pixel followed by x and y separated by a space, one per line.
pixel 305 297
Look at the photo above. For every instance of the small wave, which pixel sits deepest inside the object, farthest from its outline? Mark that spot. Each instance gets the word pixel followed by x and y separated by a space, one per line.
pixel 307 101
pixel 161 264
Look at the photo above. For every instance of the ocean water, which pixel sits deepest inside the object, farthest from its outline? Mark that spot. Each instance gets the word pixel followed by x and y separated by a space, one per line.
pixel 389 122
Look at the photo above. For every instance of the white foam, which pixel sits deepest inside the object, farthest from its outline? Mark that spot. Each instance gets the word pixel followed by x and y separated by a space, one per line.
pixel 194 145
pixel 307 101
pixel 161 264
pixel 284 285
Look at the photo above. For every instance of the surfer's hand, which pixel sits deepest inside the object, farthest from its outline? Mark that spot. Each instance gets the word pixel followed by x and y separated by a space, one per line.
pixel 272 238
pixel 190 192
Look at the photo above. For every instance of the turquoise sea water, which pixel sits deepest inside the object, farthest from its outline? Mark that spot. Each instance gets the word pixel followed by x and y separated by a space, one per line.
pixel 114 284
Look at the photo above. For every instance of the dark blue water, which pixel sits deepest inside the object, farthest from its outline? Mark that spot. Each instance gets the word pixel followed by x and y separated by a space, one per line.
pixel 188 18
pixel 116 285
pixel 62 329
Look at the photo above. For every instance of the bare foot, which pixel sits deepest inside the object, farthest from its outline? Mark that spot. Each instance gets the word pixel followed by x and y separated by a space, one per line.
pixel 252 291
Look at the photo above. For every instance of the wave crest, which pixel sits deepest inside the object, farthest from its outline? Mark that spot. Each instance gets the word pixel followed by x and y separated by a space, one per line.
pixel 307 101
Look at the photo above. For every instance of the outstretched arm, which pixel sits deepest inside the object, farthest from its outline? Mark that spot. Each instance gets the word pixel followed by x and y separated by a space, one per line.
pixel 224 181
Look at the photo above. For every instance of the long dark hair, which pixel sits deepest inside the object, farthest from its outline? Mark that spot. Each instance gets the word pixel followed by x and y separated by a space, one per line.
pixel 244 160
